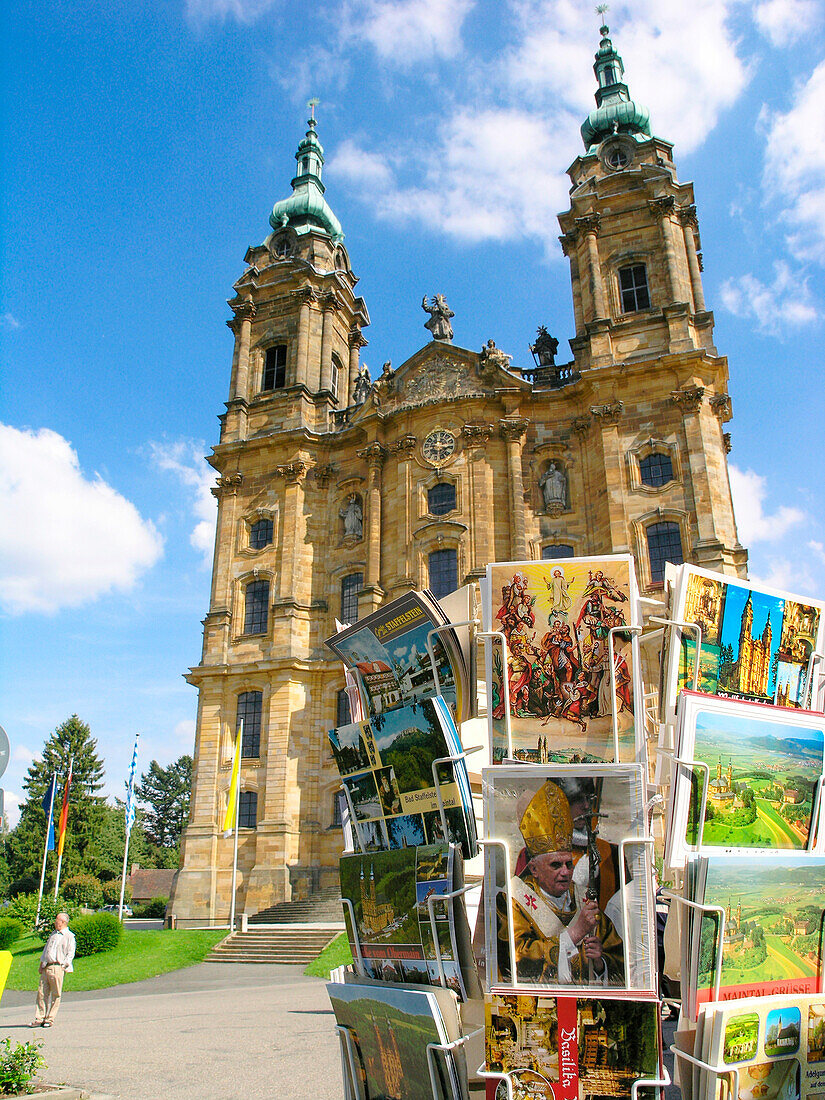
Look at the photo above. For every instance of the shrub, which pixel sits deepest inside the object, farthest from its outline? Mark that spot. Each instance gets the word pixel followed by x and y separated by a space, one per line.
pixel 96 933
pixel 84 890
pixel 24 908
pixel 18 1066
pixel 154 908
pixel 10 932
pixel 111 893
pixel 27 884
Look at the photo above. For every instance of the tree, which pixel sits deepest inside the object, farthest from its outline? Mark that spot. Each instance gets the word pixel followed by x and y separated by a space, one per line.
pixel 24 848
pixel 165 791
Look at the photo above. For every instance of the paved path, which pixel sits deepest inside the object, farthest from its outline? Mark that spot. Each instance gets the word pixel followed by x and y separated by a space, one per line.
pixel 217 1031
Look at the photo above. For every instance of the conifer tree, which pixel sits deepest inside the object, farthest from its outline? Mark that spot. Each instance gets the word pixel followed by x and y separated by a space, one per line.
pixel 165 791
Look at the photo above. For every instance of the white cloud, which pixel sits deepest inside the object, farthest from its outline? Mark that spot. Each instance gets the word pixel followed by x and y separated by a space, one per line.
pixel 21 754
pixel 8 321
pixel 184 732
pixel 818 549
pixel 184 459
pixel 784 303
pixel 794 172
pixel 65 539
pixel 787 576
pixel 409 31
pixel 754 524
pixel 785 21
pixel 11 807
pixel 243 11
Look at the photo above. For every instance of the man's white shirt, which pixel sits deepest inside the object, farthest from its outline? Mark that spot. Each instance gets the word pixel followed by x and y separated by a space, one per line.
pixel 60 948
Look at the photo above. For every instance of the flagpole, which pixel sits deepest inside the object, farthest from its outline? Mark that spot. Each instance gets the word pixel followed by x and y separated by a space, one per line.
pixel 46 847
pixel 130 797
pixel 60 846
pixel 238 749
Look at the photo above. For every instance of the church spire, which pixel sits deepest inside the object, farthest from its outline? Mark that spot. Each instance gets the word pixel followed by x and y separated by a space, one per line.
pixel 615 111
pixel 306 208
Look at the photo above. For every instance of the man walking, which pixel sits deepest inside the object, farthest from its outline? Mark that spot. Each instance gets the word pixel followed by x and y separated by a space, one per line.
pixel 54 962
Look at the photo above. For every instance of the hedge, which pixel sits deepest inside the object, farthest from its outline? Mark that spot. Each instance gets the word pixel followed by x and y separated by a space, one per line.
pixel 96 933
pixel 10 932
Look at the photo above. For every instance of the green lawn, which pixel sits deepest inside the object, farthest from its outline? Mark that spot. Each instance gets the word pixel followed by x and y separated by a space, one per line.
pixel 139 955
pixel 334 954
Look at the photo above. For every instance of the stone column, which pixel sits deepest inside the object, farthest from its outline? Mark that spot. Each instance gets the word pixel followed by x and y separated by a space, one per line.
pixel 293 567
pixel 569 247
pixel 663 209
pixel 330 305
pixel 482 548
pixel 588 227
pixel 608 417
pixel 241 325
pixel 356 342
pixel 217 623
pixel 512 430
pixel 707 464
pixel 305 296
pixel 404 449
pixel 690 227
pixel 374 454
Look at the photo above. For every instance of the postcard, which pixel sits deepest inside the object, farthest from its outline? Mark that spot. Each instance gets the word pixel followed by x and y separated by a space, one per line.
pixel 766 1047
pixel 387 652
pixel 774 908
pixel 571 1048
pixel 389 893
pixel 561 618
pixel 759 769
pixel 579 907
pixel 391 1028
pixel 386 766
pixel 756 642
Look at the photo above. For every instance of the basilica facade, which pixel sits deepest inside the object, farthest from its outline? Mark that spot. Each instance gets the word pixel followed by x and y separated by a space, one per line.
pixel 337 492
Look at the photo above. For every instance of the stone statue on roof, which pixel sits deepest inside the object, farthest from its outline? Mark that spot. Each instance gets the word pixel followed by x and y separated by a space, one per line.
pixel 440 314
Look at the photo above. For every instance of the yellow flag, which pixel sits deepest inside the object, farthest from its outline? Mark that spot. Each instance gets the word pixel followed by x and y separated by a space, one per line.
pixel 232 797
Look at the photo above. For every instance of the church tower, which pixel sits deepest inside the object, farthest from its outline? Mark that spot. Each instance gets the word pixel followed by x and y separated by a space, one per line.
pixel 337 492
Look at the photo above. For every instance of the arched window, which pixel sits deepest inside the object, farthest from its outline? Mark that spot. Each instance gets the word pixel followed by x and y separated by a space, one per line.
pixel 443 568
pixel 336 375
pixel 256 607
pixel 633 288
pixel 664 544
pixel 248 810
pixel 274 376
pixel 260 534
pixel 342 711
pixel 557 550
pixel 250 708
pixel 351 585
pixel 656 469
pixel 441 499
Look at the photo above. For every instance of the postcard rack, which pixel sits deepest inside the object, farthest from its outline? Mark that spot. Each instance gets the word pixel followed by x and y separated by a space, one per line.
pixel 472 624
pixel 641 1083
pixel 720 946
pixel 444 899
pixel 720 1071
pixel 353 1083
pixel 626 842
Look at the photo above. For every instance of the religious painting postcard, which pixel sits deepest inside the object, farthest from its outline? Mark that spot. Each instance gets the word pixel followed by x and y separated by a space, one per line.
pixel 756 642
pixel 391 1028
pixel 572 1048
pixel 578 902
pixel 774 909
pixel 386 766
pixel 389 893
pixel 765 1047
pixel 387 653
pixel 758 768
pixel 561 619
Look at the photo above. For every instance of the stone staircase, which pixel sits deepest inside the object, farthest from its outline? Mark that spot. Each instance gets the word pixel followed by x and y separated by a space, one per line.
pixel 292 932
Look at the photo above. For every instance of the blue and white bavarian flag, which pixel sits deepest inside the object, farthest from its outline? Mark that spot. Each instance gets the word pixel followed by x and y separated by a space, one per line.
pixel 130 790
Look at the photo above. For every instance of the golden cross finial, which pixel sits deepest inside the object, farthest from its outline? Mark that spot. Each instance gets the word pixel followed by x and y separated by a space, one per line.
pixel 313 103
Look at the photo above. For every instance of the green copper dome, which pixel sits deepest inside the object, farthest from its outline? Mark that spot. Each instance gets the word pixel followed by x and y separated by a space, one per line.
pixel 615 111
pixel 306 208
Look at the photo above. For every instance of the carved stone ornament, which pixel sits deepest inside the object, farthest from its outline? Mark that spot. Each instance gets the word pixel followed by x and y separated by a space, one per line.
pixel 331 302
pixel 227 486
pixel 513 428
pixel 493 360
pixel 305 294
pixel 440 314
pixel 689 399
pixel 568 241
pixel 243 310
pixel 405 445
pixel 384 385
pixel 363 385
pixel 726 442
pixel 438 379
pixel 581 424
pixel 356 338
pixel 687 215
pixel 661 208
pixel 322 474
pixel 721 405
pixel 476 433
pixel 589 223
pixel 292 471
pixel 374 454
pixel 609 413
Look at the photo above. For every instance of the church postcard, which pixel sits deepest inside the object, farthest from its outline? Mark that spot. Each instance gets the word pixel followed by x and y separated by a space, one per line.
pixel 577 908
pixel 758 768
pixel 560 619
pixel 756 643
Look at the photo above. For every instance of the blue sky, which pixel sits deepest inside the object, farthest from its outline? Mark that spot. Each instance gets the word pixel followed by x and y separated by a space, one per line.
pixel 144 145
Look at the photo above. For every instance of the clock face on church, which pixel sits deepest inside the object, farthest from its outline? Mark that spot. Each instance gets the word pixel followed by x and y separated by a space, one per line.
pixel 438 446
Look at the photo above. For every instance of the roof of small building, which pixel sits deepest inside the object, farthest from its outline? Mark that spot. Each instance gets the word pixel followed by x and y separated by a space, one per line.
pixel 151 882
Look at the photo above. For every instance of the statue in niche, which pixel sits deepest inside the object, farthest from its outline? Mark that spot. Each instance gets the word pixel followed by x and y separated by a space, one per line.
pixel 545 348
pixel 353 516
pixel 363 384
pixel 553 485
pixel 440 314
